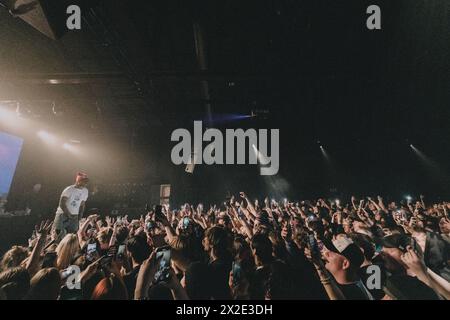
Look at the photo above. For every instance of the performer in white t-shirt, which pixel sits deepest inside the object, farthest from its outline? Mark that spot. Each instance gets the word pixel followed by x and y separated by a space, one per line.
pixel 71 206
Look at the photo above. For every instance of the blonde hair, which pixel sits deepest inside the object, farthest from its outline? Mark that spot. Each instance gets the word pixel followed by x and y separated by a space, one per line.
pixel 13 257
pixel 66 250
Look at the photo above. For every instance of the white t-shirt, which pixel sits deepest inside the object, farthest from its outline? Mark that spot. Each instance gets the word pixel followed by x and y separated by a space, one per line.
pixel 74 198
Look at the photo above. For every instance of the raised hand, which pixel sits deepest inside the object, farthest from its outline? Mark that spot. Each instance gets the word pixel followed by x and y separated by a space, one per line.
pixel 145 276
pixel 108 220
pixel 92 217
pixel 44 228
pixel 315 259
pixel 90 269
pixel 286 232
pixel 444 224
pixel 173 282
pixel 413 262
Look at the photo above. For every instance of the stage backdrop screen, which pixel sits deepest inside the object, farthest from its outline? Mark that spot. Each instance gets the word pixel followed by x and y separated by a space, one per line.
pixel 10 148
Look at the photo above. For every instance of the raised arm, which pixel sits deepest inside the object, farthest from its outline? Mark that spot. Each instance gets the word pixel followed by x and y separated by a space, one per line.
pixel 328 282
pixel 33 262
pixel 422 201
pixel 381 204
pixel 245 223
pixel 353 203
pixel 250 206
pixel 82 231
pixel 177 290
pixel 374 203
pixel 247 214
pixel 145 276
pixel 167 226
pixel 427 276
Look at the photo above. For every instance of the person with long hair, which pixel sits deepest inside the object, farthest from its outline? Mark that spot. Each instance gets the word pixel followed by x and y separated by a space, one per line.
pixel 45 285
pixel 66 250
pixel 110 288
pixel 13 257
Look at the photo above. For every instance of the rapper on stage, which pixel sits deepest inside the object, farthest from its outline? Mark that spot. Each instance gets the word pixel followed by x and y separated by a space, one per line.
pixel 71 206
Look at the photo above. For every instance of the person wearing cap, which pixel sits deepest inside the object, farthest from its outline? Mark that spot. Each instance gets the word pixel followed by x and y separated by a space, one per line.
pixel 71 206
pixel 367 247
pixel 343 260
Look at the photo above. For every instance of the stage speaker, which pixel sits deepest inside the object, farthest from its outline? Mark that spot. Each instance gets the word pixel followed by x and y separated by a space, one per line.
pixel 160 193
pixel 47 16
pixel 191 166
pixel 164 194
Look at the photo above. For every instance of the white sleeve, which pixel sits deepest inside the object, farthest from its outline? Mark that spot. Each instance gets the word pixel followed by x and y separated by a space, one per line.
pixel 85 194
pixel 67 192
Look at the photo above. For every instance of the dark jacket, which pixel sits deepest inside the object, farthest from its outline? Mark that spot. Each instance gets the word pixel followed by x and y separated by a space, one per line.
pixel 437 254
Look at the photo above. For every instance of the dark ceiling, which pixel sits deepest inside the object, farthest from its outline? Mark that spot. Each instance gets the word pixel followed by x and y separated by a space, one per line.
pixel 133 71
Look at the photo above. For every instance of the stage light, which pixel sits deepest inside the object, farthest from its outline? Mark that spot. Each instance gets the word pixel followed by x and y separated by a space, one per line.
pixel 6 115
pixel 433 169
pixel 71 148
pixel 47 137
pixel 10 119
pixel 262 114
pixel 409 198
pixel 324 153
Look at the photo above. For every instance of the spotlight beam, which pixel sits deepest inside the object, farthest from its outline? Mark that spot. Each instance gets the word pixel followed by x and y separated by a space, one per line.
pixel 47 137
pixel 325 154
pixel 433 168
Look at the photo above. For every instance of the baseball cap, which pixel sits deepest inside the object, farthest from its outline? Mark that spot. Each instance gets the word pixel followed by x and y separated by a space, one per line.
pixel 81 177
pixel 345 246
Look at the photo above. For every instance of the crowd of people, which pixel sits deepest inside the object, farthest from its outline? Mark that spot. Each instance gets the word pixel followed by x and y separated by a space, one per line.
pixel 366 249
